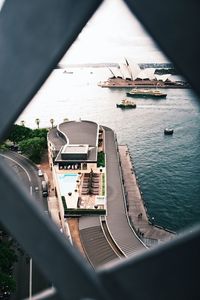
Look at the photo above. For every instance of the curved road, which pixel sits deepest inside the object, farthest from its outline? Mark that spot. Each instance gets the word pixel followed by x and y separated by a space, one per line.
pixel 97 247
pixel 29 278
pixel 26 172
pixel 117 221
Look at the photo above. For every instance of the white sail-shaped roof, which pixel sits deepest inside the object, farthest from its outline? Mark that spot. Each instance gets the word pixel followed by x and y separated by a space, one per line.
pixel 147 74
pixel 125 71
pixel 162 77
pixel 133 67
pixel 116 72
pixel 113 74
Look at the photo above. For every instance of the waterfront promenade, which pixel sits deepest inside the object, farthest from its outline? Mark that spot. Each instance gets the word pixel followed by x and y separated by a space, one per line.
pixel 117 220
pixel 136 209
pixel 125 207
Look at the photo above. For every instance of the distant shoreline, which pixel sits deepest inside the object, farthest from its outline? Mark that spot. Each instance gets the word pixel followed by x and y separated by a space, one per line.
pixel 160 68
pixel 102 65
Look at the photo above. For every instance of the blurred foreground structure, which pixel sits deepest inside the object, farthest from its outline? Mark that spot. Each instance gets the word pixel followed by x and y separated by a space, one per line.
pixel 33 38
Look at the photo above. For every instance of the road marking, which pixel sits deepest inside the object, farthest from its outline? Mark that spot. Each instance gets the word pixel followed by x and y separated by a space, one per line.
pixel 29 178
pixel 30 279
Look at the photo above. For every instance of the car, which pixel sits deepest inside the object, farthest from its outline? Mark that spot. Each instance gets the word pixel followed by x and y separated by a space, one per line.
pixel 40 173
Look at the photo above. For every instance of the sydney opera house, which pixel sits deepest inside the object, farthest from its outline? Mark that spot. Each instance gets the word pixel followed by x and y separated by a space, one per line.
pixel 129 74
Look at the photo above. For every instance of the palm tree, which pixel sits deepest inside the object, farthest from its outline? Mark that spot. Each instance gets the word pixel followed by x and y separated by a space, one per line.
pixel 22 123
pixel 52 122
pixel 37 121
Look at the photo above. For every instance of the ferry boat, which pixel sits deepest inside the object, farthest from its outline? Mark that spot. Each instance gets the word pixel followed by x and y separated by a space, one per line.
pixel 146 93
pixel 125 103
pixel 168 131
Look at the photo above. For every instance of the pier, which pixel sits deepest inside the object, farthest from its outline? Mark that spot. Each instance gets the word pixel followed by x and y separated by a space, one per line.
pixel 150 233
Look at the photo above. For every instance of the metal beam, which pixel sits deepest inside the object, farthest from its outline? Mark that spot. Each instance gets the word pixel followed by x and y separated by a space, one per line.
pixel 174 25
pixel 34 36
pixel 166 272
pixel 58 260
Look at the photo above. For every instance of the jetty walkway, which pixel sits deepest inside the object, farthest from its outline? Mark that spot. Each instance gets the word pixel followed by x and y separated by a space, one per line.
pixel 149 233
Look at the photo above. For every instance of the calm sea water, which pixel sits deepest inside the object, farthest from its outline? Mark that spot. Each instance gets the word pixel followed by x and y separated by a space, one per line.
pixel 167 167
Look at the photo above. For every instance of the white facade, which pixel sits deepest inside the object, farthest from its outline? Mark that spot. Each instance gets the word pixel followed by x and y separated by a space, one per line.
pixel 147 74
pixel 125 71
pixel 116 72
pixel 134 68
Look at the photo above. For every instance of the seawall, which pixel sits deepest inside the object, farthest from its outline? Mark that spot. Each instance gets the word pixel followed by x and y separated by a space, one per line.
pixel 150 233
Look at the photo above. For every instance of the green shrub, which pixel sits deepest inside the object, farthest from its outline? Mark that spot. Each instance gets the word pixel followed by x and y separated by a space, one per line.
pixel 101 159
pixel 33 148
pixel 64 203
pixel 84 212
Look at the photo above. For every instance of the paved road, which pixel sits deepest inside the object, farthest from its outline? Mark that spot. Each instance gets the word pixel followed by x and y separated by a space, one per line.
pixel 117 221
pixel 25 269
pixel 27 174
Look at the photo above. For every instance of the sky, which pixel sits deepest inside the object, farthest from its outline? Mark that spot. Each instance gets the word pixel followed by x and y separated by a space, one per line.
pixel 112 34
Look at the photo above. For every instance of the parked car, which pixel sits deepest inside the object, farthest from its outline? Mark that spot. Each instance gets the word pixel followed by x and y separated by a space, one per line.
pixel 40 173
pixel 44 189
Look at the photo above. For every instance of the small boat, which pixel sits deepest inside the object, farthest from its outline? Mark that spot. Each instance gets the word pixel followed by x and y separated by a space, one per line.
pixel 67 72
pixel 146 93
pixel 168 131
pixel 125 103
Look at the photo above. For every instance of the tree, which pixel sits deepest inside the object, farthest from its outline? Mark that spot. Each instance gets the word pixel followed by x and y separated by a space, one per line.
pixel 3 147
pixel 37 121
pixel 33 148
pixel 52 122
pixel 41 132
pixel 7 284
pixel 19 133
pixel 7 258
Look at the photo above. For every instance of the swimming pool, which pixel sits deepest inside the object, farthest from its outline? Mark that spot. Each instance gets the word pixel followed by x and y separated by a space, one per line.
pixel 67 183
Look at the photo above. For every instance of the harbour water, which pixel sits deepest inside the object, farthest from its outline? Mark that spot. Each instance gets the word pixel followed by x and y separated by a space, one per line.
pixel 168 167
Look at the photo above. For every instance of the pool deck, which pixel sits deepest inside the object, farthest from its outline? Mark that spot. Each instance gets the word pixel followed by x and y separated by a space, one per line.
pixel 135 205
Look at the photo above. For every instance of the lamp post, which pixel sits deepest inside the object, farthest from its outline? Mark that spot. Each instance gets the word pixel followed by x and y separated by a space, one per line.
pixel 37 121
pixel 52 122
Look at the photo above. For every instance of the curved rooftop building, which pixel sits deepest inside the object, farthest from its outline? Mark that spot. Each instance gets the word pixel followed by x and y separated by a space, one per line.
pixel 76 157
pixel 87 179
pixel 73 142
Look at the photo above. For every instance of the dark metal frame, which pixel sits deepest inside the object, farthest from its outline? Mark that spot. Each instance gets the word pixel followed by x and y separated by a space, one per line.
pixel 34 35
